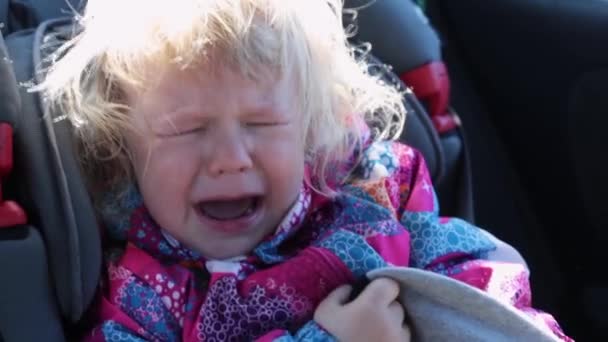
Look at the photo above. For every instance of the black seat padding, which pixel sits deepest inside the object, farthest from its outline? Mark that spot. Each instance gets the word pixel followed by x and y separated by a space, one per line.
pixel 52 9
pixel 18 15
pixel 28 310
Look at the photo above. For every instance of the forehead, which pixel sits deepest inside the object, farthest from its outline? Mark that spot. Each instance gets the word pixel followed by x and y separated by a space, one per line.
pixel 214 88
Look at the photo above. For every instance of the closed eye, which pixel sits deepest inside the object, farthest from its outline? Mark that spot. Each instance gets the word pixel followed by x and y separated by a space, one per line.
pixel 182 132
pixel 173 130
pixel 267 123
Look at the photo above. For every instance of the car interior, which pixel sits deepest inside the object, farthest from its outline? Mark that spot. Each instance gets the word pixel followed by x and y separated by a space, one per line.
pixel 504 100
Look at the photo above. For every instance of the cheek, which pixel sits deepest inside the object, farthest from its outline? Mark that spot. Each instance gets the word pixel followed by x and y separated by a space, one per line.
pixel 166 182
pixel 171 163
pixel 165 169
pixel 284 165
pixel 283 146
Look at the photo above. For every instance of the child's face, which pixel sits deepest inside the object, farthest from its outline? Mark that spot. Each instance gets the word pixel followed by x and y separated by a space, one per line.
pixel 219 160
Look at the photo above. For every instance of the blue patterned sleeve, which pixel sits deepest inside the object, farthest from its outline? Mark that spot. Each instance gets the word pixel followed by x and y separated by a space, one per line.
pixel 395 177
pixel 113 331
pixel 437 242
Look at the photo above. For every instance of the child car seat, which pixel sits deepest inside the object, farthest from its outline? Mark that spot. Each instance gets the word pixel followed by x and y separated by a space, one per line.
pixel 61 242
pixel 27 292
pixel 401 36
pixel 52 265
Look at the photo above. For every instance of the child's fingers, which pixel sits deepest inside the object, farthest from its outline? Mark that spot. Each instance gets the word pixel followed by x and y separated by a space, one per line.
pixel 339 296
pixel 330 312
pixel 396 312
pixel 381 291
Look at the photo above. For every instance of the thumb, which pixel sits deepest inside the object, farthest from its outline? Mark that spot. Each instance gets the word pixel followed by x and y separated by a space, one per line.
pixel 380 291
pixel 339 296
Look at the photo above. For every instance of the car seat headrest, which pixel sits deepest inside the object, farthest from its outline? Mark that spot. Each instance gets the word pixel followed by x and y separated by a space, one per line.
pixel 412 48
pixel 398 31
pixel 52 9
pixel 419 131
pixel 18 15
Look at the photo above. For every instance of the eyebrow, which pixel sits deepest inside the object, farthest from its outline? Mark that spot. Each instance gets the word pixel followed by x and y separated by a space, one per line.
pixel 182 111
pixel 162 117
pixel 270 110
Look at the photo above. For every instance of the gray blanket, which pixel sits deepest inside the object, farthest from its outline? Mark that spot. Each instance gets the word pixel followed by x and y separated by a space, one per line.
pixel 443 309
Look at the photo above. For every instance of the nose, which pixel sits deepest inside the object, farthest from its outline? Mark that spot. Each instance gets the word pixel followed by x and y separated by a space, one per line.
pixel 229 154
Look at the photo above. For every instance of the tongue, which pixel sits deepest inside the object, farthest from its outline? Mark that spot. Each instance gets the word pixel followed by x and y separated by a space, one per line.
pixel 227 210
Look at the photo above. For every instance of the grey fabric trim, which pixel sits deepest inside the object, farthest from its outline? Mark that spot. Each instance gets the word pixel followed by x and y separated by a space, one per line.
pixel 82 238
pixel 444 309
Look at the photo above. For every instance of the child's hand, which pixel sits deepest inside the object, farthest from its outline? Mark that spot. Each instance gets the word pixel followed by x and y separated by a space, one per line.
pixel 375 315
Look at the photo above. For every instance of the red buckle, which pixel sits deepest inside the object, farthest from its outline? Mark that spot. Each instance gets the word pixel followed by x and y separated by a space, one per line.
pixel 431 84
pixel 11 214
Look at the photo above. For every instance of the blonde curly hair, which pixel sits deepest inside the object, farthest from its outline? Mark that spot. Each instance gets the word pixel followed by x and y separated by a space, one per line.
pixel 120 41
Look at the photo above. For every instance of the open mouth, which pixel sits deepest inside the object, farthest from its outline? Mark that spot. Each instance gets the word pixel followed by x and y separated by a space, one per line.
pixel 228 210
